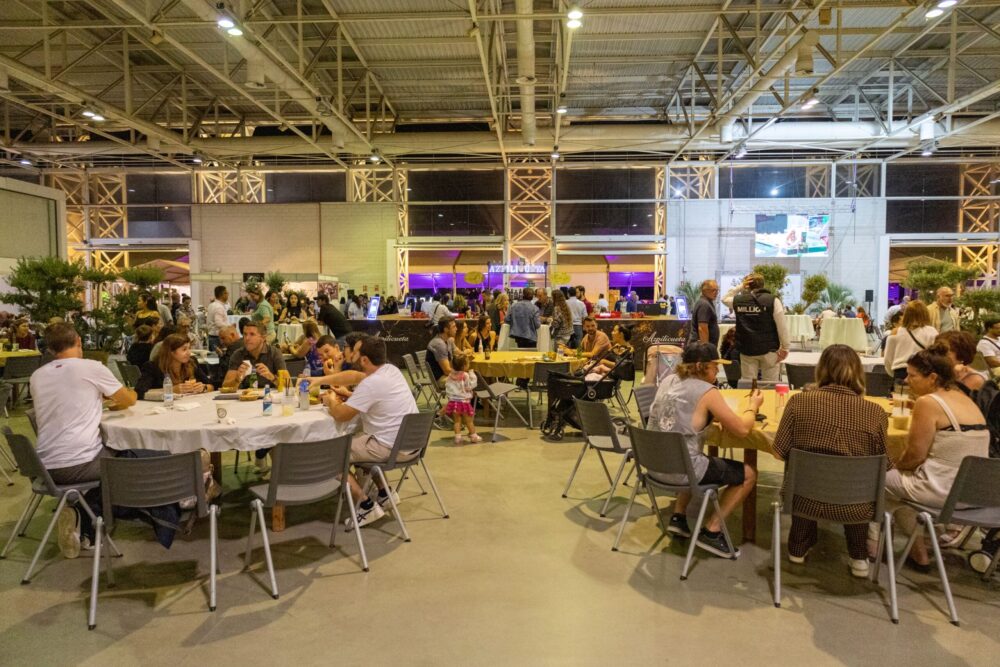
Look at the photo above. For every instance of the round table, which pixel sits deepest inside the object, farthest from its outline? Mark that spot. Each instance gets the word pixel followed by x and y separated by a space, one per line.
pixel 516 364
pixel 849 331
pixel 800 327
pixel 292 331
pixel 5 354
pixel 812 358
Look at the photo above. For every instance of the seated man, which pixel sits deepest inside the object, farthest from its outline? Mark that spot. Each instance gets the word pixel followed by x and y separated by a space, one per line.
pixel 595 342
pixel 335 364
pixel 256 354
pixel 382 398
pixel 68 394
pixel 229 342
pixel 441 350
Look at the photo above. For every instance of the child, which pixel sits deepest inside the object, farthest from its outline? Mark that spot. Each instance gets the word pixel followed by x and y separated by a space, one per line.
pixel 459 387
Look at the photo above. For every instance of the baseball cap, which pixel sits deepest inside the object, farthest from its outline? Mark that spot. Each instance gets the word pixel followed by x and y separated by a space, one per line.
pixel 701 353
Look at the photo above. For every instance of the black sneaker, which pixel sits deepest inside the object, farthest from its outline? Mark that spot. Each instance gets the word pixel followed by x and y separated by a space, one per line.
pixel 679 526
pixel 716 544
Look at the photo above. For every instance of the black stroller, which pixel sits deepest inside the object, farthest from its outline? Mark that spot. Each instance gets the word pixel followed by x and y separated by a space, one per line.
pixel 564 387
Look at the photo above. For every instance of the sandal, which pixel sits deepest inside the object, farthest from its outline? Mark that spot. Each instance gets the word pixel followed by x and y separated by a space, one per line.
pixel 952 540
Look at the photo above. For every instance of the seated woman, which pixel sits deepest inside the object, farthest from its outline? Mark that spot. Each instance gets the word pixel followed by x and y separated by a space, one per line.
pixel 960 348
pixel 293 310
pixel 138 352
pixel 483 337
pixel 621 348
pixel 462 343
pixel 306 348
pixel 946 426
pixel 23 336
pixel 561 325
pixel 174 360
pixel 815 421
pixel 687 403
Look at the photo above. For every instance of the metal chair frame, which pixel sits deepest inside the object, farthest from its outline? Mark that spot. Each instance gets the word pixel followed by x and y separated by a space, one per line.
pixel 595 422
pixel 498 395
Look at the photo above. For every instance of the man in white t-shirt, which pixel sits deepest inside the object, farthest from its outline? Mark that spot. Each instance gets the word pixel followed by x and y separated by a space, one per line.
pixel 217 315
pixel 381 400
pixel 68 396
pixel 989 345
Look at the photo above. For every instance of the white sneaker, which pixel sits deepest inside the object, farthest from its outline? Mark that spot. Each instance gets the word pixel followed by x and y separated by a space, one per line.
pixel 798 560
pixel 383 501
pixel 459 439
pixel 475 437
pixel 859 568
pixel 365 517
pixel 68 530
pixel 261 465
pixel 85 544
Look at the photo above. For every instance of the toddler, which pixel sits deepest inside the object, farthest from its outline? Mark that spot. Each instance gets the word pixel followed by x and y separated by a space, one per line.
pixel 460 386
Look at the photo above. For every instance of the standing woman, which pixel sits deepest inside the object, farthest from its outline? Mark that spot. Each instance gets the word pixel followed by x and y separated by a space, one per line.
pixel 483 337
pixel 293 310
pixel 561 327
pixel 914 335
pixel 498 311
pixel 174 360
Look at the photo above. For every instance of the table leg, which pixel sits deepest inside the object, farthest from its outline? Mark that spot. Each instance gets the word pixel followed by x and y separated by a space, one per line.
pixel 750 502
pixel 216 458
pixel 713 450
pixel 277 518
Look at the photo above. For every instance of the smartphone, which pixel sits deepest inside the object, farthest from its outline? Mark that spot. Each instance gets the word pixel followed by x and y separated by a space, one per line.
pixel 753 387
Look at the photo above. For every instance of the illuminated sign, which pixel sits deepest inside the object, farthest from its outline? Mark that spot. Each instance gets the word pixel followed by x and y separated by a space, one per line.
pixel 517 268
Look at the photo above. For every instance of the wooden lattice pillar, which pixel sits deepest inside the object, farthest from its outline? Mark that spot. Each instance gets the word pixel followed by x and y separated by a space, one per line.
pixel 978 214
pixel 529 210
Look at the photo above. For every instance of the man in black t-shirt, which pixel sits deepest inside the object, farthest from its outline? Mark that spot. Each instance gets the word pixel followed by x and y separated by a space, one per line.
pixel 704 319
pixel 333 318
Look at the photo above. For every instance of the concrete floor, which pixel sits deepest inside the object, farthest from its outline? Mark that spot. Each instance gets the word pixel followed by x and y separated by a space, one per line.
pixel 517 575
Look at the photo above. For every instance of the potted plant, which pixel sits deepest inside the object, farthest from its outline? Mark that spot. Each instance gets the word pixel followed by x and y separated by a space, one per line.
pixel 689 290
pixel 927 276
pixel 835 297
pixel 812 289
pixel 275 281
pixel 45 287
pixel 775 277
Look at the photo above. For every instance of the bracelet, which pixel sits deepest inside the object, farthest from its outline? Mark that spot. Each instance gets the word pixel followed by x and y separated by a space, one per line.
pixel 750 410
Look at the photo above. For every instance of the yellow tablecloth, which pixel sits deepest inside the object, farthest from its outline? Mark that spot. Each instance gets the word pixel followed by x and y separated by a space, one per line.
pixel 762 436
pixel 515 363
pixel 847 330
pixel 19 353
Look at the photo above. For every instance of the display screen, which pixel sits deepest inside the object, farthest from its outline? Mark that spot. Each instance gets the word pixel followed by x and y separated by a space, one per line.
pixel 373 306
pixel 681 304
pixel 792 235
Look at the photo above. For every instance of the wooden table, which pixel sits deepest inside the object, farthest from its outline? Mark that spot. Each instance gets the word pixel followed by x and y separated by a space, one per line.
pixel 762 439
pixel 516 364
pixel 4 355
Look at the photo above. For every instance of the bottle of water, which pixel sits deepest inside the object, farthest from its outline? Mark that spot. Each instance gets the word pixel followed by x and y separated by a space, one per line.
pixel 168 393
pixel 267 401
pixel 304 395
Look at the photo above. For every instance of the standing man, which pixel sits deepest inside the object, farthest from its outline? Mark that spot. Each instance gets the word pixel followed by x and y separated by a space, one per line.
pixel 761 330
pixel 333 318
pixel 265 315
pixel 544 304
pixel 217 315
pixel 602 303
pixel 579 311
pixel 944 316
pixel 524 320
pixel 581 293
pixel 704 318
pixel 68 394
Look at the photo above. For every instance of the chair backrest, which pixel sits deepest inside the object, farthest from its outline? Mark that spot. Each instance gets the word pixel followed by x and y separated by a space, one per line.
pixel 151 482
pixel 6 391
pixel 295 367
pixel 977 484
pixel 421 356
pixel 666 364
pixel 302 463
pixel 663 453
pixel 130 374
pixel 21 367
pixel 483 385
pixel 732 372
pixel 878 383
pixel 428 373
pixel 837 480
pixel 979 363
pixel 413 436
pixel 644 396
pixel 411 367
pixel 540 371
pixel 28 463
pixel 30 414
pixel 761 384
pixel 800 376
pixel 596 424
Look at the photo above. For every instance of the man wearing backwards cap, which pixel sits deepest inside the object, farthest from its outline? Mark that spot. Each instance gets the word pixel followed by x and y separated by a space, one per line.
pixel 761 330
pixel 686 403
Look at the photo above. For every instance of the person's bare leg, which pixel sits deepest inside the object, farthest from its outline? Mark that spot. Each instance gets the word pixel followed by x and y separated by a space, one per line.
pixel 356 491
pixel 681 504
pixel 469 424
pixel 732 498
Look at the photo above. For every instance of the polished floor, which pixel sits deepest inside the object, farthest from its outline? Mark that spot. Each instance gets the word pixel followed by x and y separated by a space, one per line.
pixel 517 575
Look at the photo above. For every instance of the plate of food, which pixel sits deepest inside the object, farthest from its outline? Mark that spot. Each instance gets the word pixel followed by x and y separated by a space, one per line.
pixel 251 394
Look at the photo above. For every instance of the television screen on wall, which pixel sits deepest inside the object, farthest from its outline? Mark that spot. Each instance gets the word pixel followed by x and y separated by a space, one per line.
pixel 792 235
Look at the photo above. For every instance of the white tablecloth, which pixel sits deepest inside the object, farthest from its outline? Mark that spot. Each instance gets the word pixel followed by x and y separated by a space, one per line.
pixel 294 331
pixel 812 359
pixel 177 431
pixel 847 330
pixel 800 326
pixel 235 319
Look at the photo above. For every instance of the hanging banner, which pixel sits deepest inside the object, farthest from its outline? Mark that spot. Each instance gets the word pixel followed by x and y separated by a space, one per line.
pixel 474 277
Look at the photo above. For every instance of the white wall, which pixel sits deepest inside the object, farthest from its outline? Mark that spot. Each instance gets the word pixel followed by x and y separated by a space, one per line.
pixel 708 238
pixel 354 243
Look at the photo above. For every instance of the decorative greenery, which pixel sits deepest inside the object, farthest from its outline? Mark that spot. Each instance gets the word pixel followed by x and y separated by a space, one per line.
pixel 143 277
pixel 45 287
pixel 689 290
pixel 812 290
pixel 926 276
pixel 980 302
pixel 775 277
pixel 461 305
pixel 835 297
pixel 275 281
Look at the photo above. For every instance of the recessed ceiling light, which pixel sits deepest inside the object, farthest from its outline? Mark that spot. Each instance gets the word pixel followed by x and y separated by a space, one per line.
pixel 235 32
pixel 573 24
pixel 933 13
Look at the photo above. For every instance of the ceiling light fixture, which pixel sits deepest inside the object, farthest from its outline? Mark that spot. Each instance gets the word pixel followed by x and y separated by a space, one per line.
pixel 225 23
pixel 774 192
pixel 573 24
pixel 234 31
pixel 89 114
pixel 98 117
pixel 575 13
pixel 945 4
pixel 562 109
pixel 742 152
pixel 933 13
pixel 26 162
pixel 375 157
pixel 555 153
pixel 196 159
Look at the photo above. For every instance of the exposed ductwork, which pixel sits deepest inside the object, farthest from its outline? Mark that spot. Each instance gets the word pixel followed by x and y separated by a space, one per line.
pixel 526 70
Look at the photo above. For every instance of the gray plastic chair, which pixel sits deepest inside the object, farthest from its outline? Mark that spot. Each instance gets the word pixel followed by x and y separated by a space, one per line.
pixel 539 383
pixel 30 414
pixel 600 435
pixel 837 480
pixel 498 395
pixel 420 383
pixel 151 482
pixel 303 473
pixel 130 374
pixel 665 453
pixel 435 391
pixel 6 394
pixel 799 376
pixel 878 383
pixel 644 396
pixel 30 466
pixel 974 500
pixel 413 436
pixel 18 372
pixel 295 367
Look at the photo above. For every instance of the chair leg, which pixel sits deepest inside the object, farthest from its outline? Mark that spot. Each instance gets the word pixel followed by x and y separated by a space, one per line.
pixel 392 501
pixel 45 539
pixel 628 510
pixel 22 520
pixel 427 471
pixel 531 417
pixel 253 528
pixel 887 540
pixel 259 506
pixel 496 405
pixel 607 473
pixel 725 528
pixel 213 558
pixel 941 568
pixel 614 484
pixel 336 517
pixel 112 547
pixel 776 550
pixel 694 534
pixel 655 507
pixel 623 405
pixel 95 573
pixel 34 502
pixel 356 531
pixel 517 412
pixel 575 468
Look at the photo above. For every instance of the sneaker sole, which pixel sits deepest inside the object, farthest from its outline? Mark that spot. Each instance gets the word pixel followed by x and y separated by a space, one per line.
pixel 369 518
pixel 678 532
pixel 68 537
pixel 718 552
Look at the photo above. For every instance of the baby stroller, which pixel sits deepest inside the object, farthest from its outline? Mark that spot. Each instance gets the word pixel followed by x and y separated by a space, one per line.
pixel 564 387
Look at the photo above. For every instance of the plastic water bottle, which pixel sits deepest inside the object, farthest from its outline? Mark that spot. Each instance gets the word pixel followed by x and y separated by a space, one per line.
pixel 304 395
pixel 168 393
pixel 267 401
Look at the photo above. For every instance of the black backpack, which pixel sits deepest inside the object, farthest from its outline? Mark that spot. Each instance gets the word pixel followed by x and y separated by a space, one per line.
pixel 987 398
